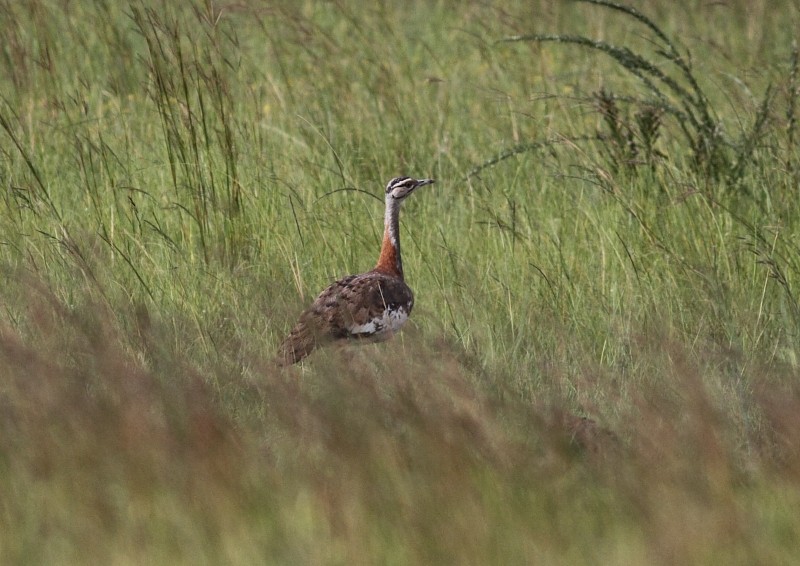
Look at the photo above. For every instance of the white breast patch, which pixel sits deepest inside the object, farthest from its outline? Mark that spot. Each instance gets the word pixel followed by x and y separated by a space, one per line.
pixel 389 321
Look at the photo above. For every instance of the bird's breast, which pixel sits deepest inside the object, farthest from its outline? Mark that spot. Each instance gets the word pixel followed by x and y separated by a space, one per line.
pixel 390 320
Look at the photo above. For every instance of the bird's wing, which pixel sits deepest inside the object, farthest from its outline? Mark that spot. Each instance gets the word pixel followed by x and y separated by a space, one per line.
pixel 344 309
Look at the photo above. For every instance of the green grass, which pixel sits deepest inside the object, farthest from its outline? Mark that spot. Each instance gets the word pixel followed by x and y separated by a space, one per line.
pixel 180 179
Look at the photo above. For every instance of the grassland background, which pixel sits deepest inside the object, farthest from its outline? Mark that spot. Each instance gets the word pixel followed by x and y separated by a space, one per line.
pixel 180 179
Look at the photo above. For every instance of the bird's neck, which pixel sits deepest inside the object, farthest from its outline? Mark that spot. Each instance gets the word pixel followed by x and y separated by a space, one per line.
pixel 389 261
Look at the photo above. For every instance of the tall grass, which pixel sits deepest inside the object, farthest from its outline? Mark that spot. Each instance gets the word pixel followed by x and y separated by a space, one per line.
pixel 671 87
pixel 602 362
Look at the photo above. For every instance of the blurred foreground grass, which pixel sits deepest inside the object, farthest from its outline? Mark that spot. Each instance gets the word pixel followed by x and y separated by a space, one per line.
pixel 112 455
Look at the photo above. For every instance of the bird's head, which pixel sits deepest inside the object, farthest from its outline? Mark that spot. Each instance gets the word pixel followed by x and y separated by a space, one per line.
pixel 400 187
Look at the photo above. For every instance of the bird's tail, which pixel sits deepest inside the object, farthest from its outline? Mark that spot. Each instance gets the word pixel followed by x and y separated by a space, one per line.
pixel 298 344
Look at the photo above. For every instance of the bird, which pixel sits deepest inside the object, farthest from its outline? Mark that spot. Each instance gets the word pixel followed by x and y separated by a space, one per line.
pixel 370 306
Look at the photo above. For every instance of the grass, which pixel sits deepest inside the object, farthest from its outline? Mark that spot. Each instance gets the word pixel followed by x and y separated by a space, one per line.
pixel 602 365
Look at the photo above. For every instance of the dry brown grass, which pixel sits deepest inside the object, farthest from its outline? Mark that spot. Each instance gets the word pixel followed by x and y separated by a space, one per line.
pixel 115 447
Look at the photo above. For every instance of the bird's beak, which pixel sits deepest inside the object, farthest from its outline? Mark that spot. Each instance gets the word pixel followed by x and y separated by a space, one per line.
pixel 423 182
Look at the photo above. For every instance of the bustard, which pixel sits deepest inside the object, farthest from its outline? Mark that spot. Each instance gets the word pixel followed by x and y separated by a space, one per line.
pixel 372 305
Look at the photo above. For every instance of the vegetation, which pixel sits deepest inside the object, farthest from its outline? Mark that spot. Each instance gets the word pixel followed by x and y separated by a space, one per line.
pixel 602 364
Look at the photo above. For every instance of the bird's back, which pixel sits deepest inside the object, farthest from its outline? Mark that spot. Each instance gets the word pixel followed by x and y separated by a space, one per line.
pixel 370 306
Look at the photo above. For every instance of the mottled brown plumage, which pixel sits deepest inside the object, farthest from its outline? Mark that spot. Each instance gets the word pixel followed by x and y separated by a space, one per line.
pixel 372 305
